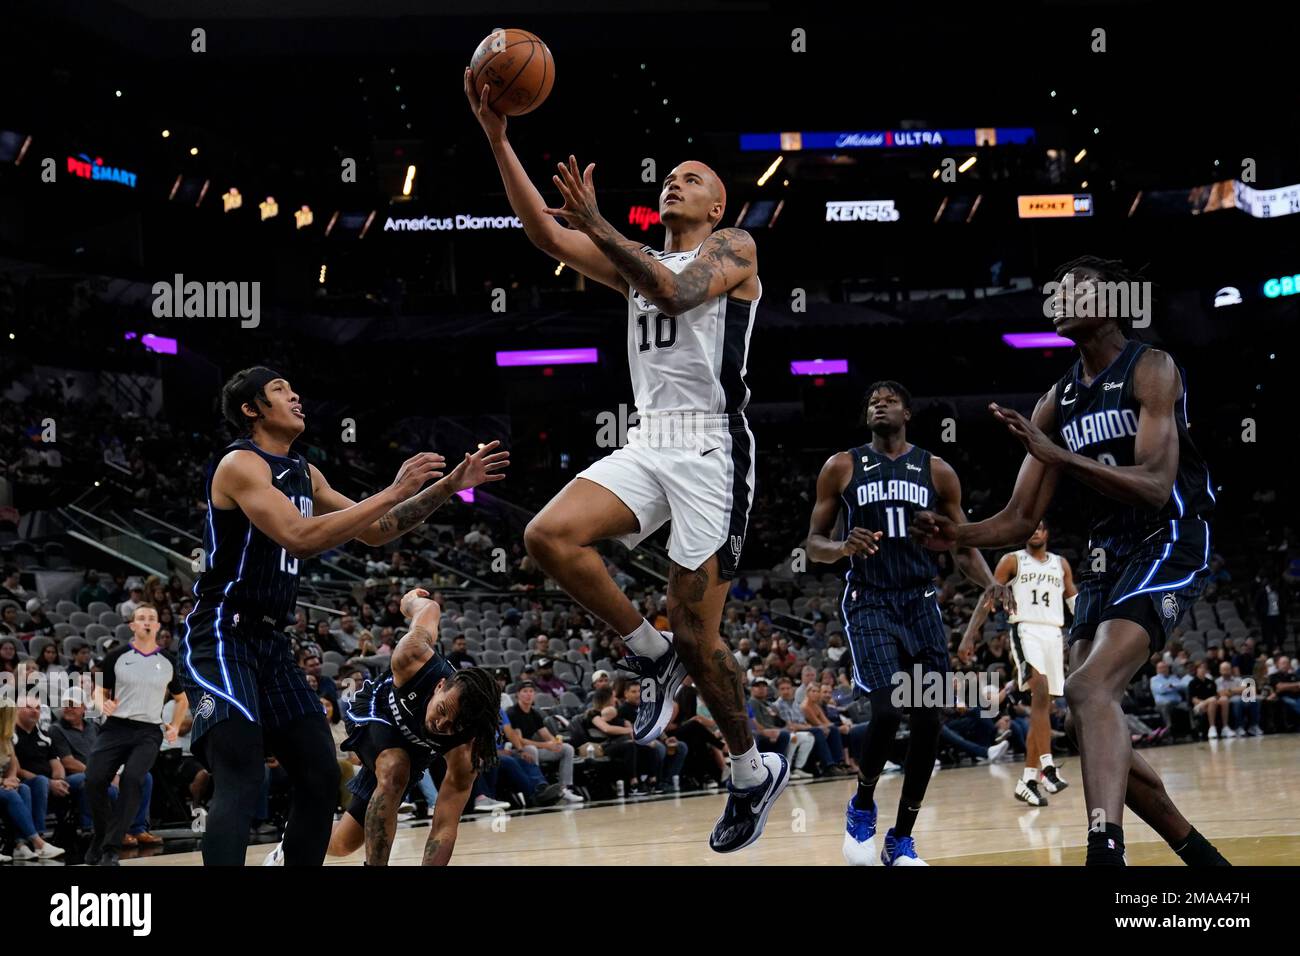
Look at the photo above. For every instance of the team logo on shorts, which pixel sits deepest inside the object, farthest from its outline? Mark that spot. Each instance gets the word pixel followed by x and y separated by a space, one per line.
pixel 737 542
pixel 1169 606
pixel 207 705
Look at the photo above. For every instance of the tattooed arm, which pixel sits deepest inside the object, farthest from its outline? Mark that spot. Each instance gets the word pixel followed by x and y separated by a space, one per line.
pixel 484 465
pixel 727 261
pixel 452 797
pixel 421 641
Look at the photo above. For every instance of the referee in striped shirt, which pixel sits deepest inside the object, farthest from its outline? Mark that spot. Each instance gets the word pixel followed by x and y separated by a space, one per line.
pixel 137 679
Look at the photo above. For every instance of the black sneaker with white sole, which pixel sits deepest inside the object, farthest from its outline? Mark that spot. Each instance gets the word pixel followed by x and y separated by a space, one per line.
pixel 1052 781
pixel 1027 792
pixel 746 811
pixel 660 680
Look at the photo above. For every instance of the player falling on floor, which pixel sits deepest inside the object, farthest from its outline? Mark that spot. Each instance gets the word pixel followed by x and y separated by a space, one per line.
pixel 268 509
pixel 1116 422
pixel 1042 584
pixel 891 612
pixel 423 712
pixel 690 309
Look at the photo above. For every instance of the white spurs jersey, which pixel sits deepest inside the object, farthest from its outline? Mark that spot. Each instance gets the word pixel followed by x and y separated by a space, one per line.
pixel 1039 590
pixel 690 362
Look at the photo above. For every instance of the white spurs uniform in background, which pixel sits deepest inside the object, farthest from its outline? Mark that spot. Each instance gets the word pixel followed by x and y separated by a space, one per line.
pixel 690 457
pixel 1036 639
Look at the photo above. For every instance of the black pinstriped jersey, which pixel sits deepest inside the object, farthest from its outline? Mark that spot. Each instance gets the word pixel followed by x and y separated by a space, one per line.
pixel 245 568
pixel 406 707
pixel 882 496
pixel 1100 420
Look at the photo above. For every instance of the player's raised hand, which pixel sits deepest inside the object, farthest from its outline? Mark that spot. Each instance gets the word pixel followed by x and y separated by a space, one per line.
pixel 1000 594
pixel 493 123
pixel 1030 435
pixel 579 193
pixel 933 530
pixel 861 541
pixel 416 471
pixel 486 464
pixel 418 608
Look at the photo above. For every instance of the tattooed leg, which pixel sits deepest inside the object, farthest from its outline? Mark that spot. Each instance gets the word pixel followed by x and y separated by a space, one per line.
pixel 393 769
pixel 695 600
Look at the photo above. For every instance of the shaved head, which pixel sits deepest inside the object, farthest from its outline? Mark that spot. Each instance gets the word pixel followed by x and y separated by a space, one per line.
pixel 711 179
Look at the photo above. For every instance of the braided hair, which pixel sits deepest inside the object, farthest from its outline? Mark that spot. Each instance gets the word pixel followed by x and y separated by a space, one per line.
pixel 1107 270
pixel 479 713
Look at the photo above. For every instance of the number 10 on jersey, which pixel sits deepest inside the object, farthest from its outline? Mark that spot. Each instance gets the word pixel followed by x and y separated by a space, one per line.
pixel 665 331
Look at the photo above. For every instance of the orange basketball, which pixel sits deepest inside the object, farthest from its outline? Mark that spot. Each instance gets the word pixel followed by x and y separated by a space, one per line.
pixel 518 68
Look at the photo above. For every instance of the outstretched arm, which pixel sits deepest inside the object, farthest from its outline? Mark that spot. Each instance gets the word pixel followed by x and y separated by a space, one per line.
pixel 484 465
pixel 834 478
pixel 568 245
pixel 1035 485
pixel 1149 481
pixel 452 797
pixel 243 480
pixel 726 262
pixel 1003 573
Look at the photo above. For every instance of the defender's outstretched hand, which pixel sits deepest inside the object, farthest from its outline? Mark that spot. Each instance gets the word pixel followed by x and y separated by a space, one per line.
pixel 415 471
pixel 933 530
pixel 482 466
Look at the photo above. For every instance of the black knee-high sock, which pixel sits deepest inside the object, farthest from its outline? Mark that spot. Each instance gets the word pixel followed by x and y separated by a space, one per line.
pixel 885 720
pixel 1105 846
pixel 305 749
pixel 235 756
pixel 918 766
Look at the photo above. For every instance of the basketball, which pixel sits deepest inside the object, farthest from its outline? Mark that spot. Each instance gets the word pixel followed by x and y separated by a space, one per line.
pixel 518 67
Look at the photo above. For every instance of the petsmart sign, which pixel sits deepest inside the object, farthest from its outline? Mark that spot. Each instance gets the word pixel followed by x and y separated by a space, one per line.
pixel 83 167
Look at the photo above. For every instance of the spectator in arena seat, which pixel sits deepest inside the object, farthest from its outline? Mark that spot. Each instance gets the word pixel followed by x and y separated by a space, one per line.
pixel 807 677
pixel 707 759
pixel 83 659
pixel 546 680
pixel 815 716
pixel 38 766
pixel 11 588
pixel 1206 704
pixel 9 622
pixel 40 624
pixel 134 598
pixel 658 761
pixel 541 649
pixel 49 656
pixel 1168 693
pixel 1285 685
pixel 347 637
pixel 310 662
pixel 16 798
pixel 794 718
pixel 771 735
pixel 8 655
pixel 392 616
pixel 994 654
pixel 539 742
pixel 744 654
pixel 1243 713
pixel 835 649
pixel 460 657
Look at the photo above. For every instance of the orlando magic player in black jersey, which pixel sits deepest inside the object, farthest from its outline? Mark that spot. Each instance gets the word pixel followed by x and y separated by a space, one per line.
pixel 1117 422
pixel 891 613
pixel 268 509
pixel 423 712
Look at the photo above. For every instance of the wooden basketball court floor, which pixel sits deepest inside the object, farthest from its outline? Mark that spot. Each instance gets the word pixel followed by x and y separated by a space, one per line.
pixel 1243 794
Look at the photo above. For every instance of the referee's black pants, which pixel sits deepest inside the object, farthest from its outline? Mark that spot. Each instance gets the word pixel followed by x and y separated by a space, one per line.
pixel 132 745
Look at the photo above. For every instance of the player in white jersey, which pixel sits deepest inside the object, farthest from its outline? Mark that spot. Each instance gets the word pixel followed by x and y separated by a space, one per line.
pixel 690 460
pixel 1043 586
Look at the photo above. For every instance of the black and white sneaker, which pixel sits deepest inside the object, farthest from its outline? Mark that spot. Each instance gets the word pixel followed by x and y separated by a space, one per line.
pixel 1027 792
pixel 746 811
pixel 1052 781
pixel 660 680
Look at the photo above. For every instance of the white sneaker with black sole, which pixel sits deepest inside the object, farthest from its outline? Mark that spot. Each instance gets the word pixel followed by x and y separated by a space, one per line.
pixel 1027 792
pixel 275 857
pixel 1051 779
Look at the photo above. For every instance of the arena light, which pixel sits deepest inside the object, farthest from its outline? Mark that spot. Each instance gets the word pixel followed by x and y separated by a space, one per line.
pixel 410 180
pixel 270 208
pixel 820 367
pixel 559 268
pixel 1078 157
pixel 762 180
pixel 1036 340
pixel 154 343
pixel 547 357
pixel 466 495
pixel 966 165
